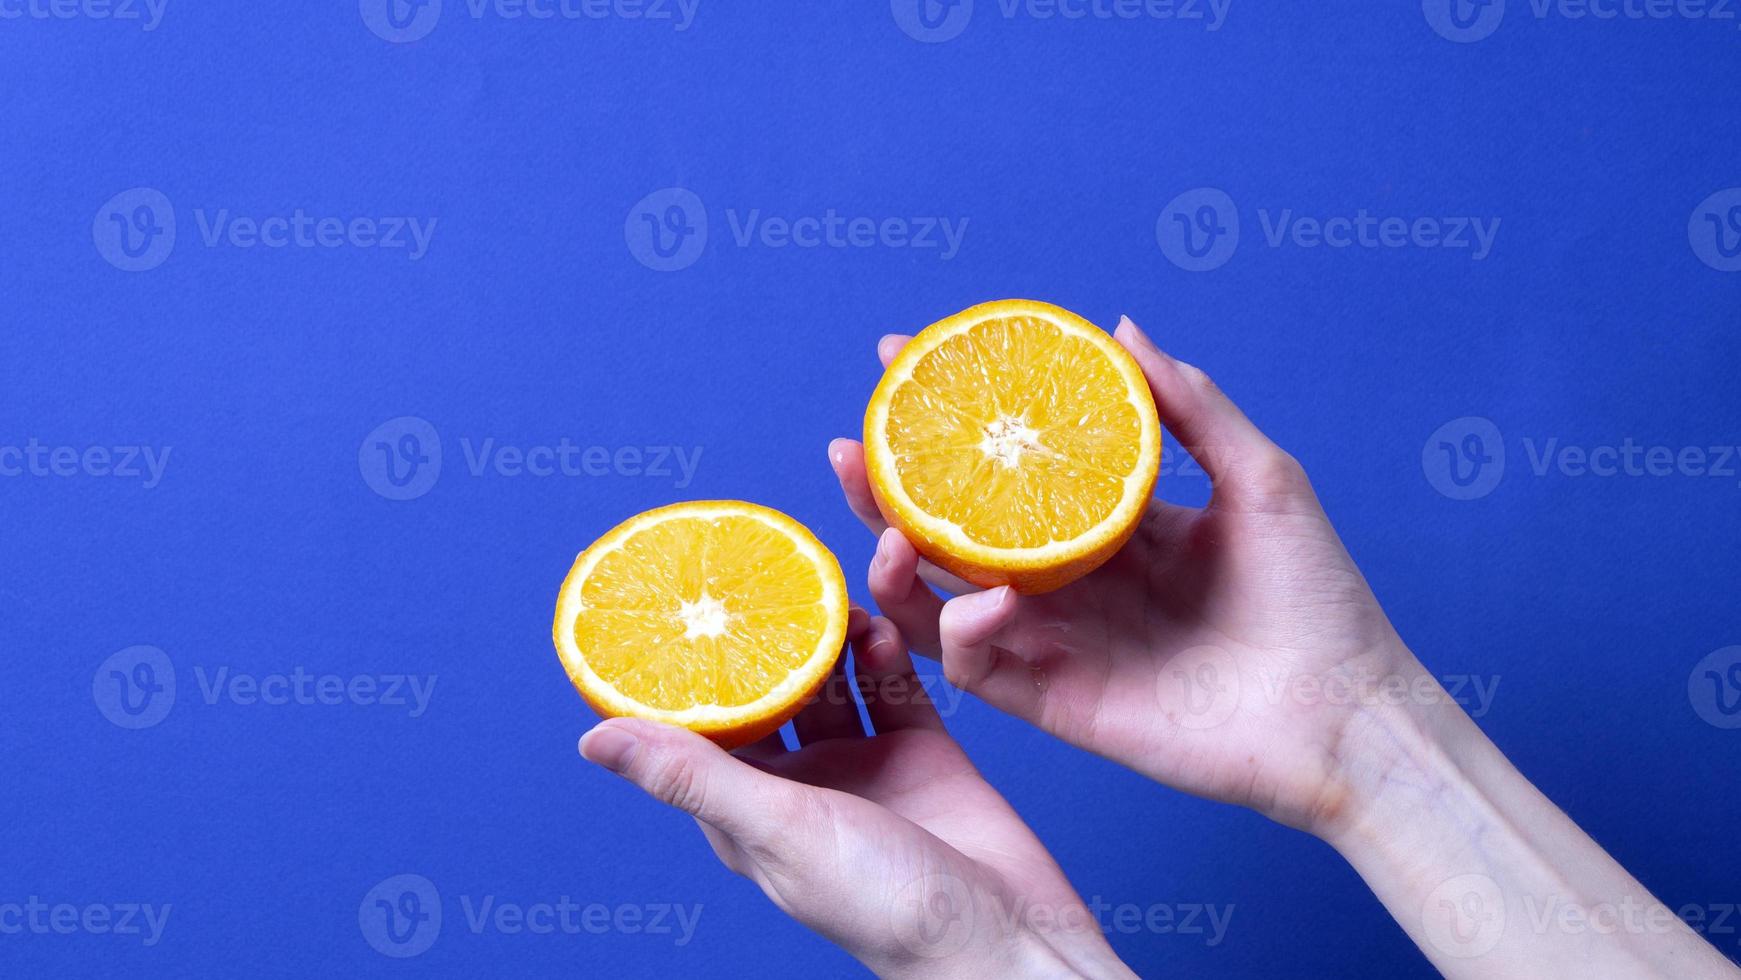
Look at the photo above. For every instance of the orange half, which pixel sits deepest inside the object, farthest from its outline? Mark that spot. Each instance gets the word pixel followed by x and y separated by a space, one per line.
pixel 720 616
pixel 1014 443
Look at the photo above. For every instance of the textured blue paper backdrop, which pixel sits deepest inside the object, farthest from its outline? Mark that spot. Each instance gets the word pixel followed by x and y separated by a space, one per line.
pixel 1068 155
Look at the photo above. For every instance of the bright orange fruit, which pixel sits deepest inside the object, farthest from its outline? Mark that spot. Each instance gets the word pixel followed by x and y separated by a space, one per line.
pixel 1014 443
pixel 721 616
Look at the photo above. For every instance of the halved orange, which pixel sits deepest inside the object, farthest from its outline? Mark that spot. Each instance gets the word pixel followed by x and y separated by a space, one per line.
pixel 1014 443
pixel 721 616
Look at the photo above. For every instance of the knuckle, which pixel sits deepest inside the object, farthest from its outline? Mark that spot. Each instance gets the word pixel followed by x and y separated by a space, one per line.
pixel 1198 378
pixel 680 784
pixel 1278 472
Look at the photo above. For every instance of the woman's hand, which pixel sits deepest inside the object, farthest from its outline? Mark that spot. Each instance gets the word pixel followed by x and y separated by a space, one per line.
pixel 1226 651
pixel 891 846
pixel 1235 652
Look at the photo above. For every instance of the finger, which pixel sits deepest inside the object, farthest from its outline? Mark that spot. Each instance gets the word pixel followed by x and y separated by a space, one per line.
pixel 1243 464
pixel 893 695
pixel 847 458
pixel 685 770
pixel 902 596
pixel 889 346
pixel 833 713
pixel 973 662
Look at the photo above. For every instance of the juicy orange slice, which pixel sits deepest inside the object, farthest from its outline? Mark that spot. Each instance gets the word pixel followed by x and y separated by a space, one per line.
pixel 1014 444
pixel 720 616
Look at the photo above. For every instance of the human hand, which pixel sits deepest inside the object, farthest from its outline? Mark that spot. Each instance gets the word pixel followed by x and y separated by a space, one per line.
pixel 1197 654
pixel 892 846
pixel 1236 652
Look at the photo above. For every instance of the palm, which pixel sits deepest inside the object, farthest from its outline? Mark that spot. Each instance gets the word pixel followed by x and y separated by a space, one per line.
pixel 938 864
pixel 1190 655
pixel 1198 632
pixel 913 799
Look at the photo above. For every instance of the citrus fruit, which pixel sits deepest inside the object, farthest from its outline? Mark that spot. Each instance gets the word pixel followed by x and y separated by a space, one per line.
pixel 721 616
pixel 1014 443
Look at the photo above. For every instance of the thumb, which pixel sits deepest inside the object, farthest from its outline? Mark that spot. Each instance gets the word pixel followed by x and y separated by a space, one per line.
pixel 680 768
pixel 974 662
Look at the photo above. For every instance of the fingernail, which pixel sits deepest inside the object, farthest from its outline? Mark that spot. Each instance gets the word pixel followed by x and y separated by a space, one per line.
pixel 836 455
pixel 884 544
pixel 985 605
pixel 1142 338
pixel 610 747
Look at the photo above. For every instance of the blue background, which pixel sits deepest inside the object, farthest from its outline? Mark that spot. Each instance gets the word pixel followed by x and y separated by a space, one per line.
pixel 531 320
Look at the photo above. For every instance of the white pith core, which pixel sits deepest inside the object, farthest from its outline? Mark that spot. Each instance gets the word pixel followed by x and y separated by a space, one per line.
pixel 1007 438
pixel 705 616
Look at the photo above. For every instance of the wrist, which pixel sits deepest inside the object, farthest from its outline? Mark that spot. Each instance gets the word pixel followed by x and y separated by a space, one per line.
pixel 1394 753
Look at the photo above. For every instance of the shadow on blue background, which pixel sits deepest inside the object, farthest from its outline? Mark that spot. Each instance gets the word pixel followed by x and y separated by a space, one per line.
pixel 511 241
